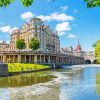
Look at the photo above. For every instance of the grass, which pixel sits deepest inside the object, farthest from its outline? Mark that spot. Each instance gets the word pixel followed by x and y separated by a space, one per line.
pixel 22 67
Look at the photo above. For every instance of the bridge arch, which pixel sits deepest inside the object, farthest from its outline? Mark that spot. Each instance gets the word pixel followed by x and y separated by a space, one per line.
pixel 88 61
pixel 95 61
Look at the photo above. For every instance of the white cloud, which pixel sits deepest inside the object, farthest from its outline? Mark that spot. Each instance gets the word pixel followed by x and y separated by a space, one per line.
pixel 61 33
pixel 64 8
pixel 5 29
pixel 71 36
pixel 44 18
pixel 27 15
pixel 62 28
pixel 56 17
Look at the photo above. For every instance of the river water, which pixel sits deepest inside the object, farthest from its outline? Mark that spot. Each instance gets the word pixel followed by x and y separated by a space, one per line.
pixel 69 83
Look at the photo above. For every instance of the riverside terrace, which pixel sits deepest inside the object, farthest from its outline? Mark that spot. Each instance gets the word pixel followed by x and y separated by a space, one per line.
pixel 36 57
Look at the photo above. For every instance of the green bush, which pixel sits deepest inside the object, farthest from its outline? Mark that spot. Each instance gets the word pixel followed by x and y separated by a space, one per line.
pixel 22 67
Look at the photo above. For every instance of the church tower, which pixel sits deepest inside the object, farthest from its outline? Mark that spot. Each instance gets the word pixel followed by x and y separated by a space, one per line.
pixel 79 49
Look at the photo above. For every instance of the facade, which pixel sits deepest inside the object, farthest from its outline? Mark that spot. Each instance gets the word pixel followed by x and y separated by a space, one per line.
pixel 4 46
pixel 67 50
pixel 78 51
pixel 35 28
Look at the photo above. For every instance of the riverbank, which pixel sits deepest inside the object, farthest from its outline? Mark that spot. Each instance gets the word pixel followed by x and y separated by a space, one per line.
pixel 15 68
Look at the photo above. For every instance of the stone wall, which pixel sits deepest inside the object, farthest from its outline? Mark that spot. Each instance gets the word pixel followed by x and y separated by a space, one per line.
pixel 3 69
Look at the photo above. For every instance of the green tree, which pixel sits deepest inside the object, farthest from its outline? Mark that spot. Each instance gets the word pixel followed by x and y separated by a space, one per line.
pixel 97 51
pixel 26 3
pixel 92 3
pixel 34 44
pixel 20 44
pixel 94 44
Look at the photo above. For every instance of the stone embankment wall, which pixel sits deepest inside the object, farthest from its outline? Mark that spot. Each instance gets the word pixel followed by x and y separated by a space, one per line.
pixel 3 69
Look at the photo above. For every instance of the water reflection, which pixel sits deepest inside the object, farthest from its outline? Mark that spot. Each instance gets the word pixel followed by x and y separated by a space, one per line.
pixel 25 79
pixel 82 84
pixel 73 82
pixel 98 83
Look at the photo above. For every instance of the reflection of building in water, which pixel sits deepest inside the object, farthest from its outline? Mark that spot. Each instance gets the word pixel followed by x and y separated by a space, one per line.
pixel 98 83
pixel 79 75
pixel 25 79
pixel 70 78
pixel 75 76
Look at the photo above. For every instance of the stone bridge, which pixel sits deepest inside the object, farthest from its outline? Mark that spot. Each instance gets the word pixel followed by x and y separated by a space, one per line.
pixel 90 58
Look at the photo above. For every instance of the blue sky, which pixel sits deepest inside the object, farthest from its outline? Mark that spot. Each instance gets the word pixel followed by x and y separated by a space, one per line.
pixel 71 18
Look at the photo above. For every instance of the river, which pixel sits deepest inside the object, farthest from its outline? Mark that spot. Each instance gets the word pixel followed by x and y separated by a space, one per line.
pixel 70 83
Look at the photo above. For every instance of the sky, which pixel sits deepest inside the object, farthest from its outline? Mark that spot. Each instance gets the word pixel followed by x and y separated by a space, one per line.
pixel 70 18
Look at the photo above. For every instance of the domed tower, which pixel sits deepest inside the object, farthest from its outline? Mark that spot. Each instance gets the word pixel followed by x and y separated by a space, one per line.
pixel 78 48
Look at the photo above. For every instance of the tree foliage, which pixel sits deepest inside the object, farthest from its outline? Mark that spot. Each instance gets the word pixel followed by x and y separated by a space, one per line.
pixel 20 44
pixel 34 44
pixel 97 51
pixel 92 3
pixel 25 3
pixel 4 3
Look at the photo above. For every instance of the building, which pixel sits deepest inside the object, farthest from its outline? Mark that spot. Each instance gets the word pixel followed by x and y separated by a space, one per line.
pixel 35 28
pixel 4 46
pixel 67 50
pixel 78 51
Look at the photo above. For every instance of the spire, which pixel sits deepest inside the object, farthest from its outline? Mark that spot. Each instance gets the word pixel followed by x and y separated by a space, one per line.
pixel 78 48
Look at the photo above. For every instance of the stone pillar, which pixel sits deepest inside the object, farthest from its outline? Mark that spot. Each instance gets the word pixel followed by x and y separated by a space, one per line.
pixel 4 58
pixel 13 58
pixel 35 58
pixel 19 58
pixel 62 60
pixel 25 59
pixel 30 59
pixel 1 58
pixel 40 59
pixel 49 59
pixel 56 59
pixel 44 58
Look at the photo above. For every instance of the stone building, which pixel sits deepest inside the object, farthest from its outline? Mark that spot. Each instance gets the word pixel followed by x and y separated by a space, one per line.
pixel 35 28
pixel 78 51
pixel 67 50
pixel 48 52
pixel 4 46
